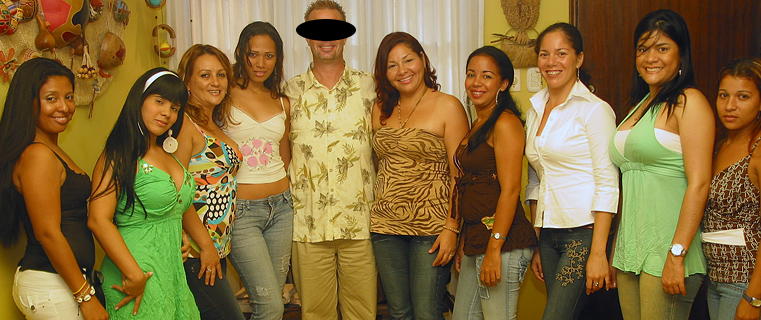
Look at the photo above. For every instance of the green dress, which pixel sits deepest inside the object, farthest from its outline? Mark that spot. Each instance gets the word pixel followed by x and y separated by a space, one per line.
pixel 653 186
pixel 153 236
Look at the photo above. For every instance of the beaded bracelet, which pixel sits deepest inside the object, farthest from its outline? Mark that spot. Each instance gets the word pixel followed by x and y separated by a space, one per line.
pixel 86 295
pixel 452 229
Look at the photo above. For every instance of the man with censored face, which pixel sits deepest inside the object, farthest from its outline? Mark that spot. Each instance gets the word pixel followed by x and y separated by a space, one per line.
pixel 332 174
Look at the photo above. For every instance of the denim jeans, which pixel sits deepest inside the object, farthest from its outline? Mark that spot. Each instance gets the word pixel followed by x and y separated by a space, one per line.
pixel 215 302
pixel 564 254
pixel 476 301
pixel 261 251
pixel 414 288
pixel 723 298
pixel 41 295
pixel 642 297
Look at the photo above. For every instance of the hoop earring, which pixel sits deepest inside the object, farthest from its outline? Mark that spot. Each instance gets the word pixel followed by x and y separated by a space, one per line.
pixel 496 99
pixel 141 129
pixel 680 72
pixel 170 143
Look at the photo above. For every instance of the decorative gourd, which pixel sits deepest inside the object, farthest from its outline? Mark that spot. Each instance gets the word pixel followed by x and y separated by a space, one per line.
pixel 67 19
pixel 44 40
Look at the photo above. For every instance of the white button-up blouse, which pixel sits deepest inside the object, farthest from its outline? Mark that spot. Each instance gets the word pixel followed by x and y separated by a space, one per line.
pixel 570 173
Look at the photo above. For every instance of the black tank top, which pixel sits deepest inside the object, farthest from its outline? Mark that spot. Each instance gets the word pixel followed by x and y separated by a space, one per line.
pixel 74 193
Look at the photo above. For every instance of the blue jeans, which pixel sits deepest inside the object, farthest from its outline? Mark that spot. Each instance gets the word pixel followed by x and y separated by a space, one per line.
pixel 261 251
pixel 216 302
pixel 414 288
pixel 723 298
pixel 475 301
pixel 564 254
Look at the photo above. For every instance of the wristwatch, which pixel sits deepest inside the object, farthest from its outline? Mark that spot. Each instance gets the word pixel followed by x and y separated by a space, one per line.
pixel 753 301
pixel 677 250
pixel 498 236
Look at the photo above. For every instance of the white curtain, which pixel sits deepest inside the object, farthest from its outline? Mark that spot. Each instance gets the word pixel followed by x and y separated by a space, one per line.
pixel 448 30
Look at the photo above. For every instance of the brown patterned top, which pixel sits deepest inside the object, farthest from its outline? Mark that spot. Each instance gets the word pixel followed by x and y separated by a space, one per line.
pixel 733 203
pixel 478 191
pixel 412 185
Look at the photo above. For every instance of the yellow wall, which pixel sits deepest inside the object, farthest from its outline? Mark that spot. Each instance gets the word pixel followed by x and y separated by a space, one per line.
pixel 84 138
pixel 533 295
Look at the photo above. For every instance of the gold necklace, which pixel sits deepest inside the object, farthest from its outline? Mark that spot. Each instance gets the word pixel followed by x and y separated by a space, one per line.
pixel 401 124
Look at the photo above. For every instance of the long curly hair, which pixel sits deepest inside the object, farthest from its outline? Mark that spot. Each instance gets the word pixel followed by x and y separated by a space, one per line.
pixel 388 96
pixel 221 114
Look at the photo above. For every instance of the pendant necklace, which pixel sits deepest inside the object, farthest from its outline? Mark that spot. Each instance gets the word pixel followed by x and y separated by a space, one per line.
pixel 401 124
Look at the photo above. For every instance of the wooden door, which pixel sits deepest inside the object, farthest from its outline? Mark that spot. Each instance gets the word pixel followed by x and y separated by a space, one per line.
pixel 721 31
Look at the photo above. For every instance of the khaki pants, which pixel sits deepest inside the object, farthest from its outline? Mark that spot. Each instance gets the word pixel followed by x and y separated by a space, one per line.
pixel 333 274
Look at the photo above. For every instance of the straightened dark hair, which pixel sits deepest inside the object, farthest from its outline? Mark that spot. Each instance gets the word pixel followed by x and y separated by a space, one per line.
pixel 129 139
pixel 505 99
pixel 573 36
pixel 388 96
pixel 17 131
pixel 746 68
pixel 274 81
pixel 670 24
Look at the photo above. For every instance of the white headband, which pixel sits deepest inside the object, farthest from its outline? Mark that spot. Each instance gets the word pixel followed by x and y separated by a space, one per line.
pixel 156 76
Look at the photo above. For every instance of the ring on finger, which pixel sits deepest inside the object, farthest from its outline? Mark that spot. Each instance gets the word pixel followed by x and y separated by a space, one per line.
pixel 597 284
pixel 209 270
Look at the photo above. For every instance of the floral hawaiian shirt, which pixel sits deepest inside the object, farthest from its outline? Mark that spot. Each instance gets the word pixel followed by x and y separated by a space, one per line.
pixel 331 170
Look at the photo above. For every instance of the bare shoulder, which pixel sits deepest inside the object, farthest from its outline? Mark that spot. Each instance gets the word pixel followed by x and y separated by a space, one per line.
pixel 508 125
pixel 754 167
pixel 38 154
pixel 447 105
pixel 235 91
pixel 39 161
pixel 188 129
pixel 693 99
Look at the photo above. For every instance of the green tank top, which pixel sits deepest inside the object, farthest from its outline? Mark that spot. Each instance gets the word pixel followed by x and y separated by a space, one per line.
pixel 653 186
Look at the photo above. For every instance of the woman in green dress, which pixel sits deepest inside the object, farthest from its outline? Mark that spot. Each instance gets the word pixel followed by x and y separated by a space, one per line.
pixel 141 194
pixel 663 149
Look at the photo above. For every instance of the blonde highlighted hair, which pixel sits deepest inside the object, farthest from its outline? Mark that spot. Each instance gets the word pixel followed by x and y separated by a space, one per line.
pixel 221 114
pixel 324 4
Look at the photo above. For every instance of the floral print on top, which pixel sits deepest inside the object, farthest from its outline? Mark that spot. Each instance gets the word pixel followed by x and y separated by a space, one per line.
pixel 214 170
pixel 256 153
pixel 331 171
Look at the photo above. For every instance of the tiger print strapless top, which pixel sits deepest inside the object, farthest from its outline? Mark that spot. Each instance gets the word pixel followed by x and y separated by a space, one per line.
pixel 412 184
